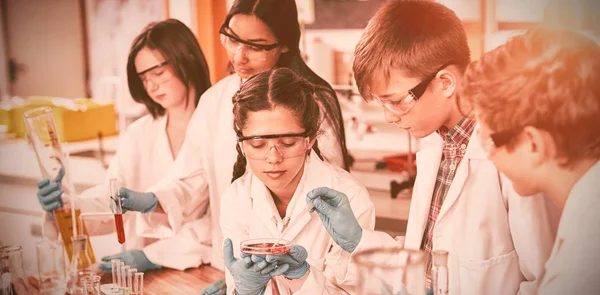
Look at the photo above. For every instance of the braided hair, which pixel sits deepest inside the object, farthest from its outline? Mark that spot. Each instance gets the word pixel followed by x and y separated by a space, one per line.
pixel 277 88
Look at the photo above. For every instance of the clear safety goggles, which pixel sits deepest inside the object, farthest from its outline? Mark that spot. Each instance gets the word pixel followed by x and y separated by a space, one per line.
pixel 252 51
pixel 403 103
pixel 286 145
pixel 157 74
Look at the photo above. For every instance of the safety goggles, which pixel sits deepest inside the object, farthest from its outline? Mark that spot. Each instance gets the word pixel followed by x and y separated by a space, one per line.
pixel 499 139
pixel 158 74
pixel 402 104
pixel 253 51
pixel 288 145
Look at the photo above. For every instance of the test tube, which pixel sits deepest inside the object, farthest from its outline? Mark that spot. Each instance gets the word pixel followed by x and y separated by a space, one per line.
pixel 119 276
pixel 115 265
pixel 138 284
pixel 130 275
pixel 117 210
pixel 124 271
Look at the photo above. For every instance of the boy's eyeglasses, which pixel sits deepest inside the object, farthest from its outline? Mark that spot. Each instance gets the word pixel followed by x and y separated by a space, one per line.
pixel 402 104
pixel 253 51
pixel 499 139
pixel 158 74
pixel 288 145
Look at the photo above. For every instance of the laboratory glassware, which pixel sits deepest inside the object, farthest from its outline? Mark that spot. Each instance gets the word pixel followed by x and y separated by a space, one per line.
pixel 51 267
pixel 390 271
pixel 53 160
pixel 265 246
pixel 440 272
pixel 11 268
pixel 117 210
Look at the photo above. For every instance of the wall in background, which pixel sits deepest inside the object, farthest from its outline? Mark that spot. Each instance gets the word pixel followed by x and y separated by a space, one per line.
pixel 112 26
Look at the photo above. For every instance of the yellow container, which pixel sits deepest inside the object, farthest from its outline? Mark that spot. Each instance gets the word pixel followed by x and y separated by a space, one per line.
pixel 75 119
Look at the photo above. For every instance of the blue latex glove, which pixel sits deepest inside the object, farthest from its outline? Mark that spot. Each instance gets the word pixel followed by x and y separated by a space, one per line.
pixel 336 215
pixel 216 288
pixel 49 192
pixel 296 259
pixel 137 201
pixel 134 258
pixel 246 272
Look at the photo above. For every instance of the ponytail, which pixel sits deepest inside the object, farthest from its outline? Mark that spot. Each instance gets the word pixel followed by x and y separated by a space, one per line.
pixel 239 168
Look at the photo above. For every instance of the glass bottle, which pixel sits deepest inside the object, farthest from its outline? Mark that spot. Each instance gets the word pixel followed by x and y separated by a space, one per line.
pixel 440 272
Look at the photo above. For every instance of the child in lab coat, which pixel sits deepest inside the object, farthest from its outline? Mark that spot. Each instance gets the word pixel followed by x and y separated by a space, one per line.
pixel 277 121
pixel 257 36
pixel 411 59
pixel 167 71
pixel 537 99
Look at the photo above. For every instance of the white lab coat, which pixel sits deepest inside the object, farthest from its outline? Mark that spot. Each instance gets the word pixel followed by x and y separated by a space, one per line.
pixel 248 211
pixel 205 163
pixel 497 240
pixel 142 159
pixel 574 266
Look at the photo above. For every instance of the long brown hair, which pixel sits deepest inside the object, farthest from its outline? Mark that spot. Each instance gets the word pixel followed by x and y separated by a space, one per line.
pixel 281 16
pixel 176 42
pixel 277 88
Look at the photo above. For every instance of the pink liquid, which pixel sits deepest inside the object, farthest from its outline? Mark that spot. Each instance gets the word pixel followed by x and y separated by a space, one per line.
pixel 119 228
pixel 266 248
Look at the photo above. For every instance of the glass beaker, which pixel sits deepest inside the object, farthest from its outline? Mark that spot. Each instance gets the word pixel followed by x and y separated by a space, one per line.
pixel 390 271
pixel 11 268
pixel 51 267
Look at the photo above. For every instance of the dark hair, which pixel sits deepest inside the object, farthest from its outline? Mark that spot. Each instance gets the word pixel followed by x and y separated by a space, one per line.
pixel 179 46
pixel 277 88
pixel 414 35
pixel 281 16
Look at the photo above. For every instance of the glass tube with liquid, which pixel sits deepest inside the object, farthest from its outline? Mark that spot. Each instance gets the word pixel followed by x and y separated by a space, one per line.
pixel 117 210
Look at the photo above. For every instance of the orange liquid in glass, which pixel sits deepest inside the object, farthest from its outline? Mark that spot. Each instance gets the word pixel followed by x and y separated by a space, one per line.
pixel 119 228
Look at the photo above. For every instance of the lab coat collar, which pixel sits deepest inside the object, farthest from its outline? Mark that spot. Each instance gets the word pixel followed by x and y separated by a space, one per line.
pixel 316 174
pixel 584 192
pixel 428 163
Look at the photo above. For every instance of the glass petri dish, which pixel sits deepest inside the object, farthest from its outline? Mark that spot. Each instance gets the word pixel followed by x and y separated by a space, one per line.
pixel 266 246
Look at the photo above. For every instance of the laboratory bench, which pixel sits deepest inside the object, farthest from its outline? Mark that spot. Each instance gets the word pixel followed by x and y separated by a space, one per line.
pixel 171 281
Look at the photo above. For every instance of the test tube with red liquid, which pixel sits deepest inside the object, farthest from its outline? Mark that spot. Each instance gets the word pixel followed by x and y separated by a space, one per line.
pixel 267 246
pixel 117 210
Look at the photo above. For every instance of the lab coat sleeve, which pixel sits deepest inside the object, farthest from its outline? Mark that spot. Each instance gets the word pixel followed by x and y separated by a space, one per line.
pixel 183 189
pixel 532 232
pixel 339 273
pixel 190 247
pixel 231 218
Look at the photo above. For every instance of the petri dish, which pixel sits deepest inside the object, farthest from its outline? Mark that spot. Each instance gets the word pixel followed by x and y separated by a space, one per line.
pixel 266 246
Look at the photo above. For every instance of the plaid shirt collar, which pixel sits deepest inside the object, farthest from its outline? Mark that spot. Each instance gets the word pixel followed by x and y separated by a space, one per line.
pixel 457 138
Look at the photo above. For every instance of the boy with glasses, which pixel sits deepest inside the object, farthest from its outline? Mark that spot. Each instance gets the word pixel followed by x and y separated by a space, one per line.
pixel 537 99
pixel 411 59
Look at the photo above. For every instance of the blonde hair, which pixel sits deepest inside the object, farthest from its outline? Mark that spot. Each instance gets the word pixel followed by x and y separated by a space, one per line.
pixel 548 78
